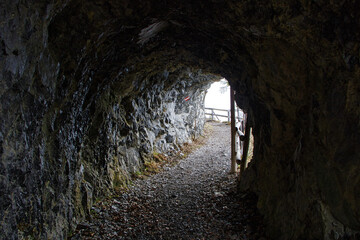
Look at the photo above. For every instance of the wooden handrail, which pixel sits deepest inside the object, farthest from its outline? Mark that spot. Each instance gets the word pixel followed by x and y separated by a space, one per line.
pixel 242 132
pixel 212 113
pixel 218 115
pixel 217 109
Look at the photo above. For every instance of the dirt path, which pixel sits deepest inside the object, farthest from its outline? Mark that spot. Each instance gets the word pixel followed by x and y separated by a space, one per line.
pixel 196 199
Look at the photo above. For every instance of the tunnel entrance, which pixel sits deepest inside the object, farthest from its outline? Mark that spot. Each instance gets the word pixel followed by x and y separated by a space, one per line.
pixel 217 101
pixel 218 108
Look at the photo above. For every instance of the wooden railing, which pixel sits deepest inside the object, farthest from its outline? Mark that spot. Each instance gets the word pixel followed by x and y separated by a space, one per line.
pixel 242 132
pixel 214 116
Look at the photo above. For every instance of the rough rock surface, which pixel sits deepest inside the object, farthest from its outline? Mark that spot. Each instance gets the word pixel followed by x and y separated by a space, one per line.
pixel 72 75
pixel 196 199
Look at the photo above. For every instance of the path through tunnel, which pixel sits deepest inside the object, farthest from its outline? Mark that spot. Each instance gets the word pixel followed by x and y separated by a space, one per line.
pixel 91 90
pixel 196 198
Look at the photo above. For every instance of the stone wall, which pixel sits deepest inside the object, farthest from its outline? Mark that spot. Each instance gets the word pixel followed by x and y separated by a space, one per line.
pixel 69 134
pixel 298 137
pixel 85 145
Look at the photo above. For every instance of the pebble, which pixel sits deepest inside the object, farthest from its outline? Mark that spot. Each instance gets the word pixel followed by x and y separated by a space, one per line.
pixel 218 194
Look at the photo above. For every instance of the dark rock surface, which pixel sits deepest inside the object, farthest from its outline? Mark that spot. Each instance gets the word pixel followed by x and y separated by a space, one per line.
pixel 88 88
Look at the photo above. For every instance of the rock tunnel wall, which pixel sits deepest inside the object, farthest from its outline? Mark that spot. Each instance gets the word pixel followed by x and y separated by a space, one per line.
pixel 70 133
pixel 80 147
pixel 89 88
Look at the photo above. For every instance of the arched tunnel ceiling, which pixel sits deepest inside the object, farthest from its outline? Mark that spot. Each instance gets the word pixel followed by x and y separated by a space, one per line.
pixel 293 64
pixel 226 38
pixel 163 36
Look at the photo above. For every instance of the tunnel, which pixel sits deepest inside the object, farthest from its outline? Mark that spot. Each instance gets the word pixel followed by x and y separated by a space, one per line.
pixel 90 89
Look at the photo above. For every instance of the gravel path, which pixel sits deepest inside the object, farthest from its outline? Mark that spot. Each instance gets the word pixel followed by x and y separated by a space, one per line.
pixel 196 199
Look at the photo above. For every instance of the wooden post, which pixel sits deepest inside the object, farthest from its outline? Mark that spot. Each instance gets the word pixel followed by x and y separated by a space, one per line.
pixel 246 144
pixel 233 151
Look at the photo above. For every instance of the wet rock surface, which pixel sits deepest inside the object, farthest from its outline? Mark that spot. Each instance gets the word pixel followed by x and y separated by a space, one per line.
pixel 196 199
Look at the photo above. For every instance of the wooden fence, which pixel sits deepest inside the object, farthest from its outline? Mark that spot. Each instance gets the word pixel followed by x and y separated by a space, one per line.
pixel 241 135
pixel 215 116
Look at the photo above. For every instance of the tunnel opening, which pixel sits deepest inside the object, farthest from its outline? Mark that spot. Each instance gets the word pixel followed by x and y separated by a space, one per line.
pixel 218 108
pixel 218 97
